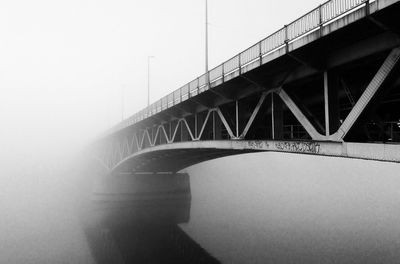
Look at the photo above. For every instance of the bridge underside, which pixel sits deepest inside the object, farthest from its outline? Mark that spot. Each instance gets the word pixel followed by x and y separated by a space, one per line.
pixel 175 157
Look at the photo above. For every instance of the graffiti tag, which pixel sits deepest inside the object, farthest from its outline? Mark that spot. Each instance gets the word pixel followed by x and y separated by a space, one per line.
pixel 303 147
pixel 257 144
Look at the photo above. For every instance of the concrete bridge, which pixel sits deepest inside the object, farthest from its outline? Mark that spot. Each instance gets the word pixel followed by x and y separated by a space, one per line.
pixel 326 84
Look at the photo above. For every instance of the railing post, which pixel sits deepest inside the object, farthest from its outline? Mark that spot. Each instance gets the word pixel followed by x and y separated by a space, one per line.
pixel 367 10
pixel 259 43
pixel 240 64
pixel 320 15
pixel 223 72
pixel 286 39
pixel 320 20
pixel 208 86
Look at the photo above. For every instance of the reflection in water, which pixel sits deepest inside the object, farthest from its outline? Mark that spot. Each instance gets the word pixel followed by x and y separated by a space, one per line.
pixel 137 219
pixel 256 208
pixel 287 208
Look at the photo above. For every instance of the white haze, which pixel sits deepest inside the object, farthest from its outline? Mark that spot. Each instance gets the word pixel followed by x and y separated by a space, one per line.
pixel 62 67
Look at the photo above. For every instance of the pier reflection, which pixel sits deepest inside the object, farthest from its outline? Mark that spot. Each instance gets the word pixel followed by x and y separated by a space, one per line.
pixel 135 219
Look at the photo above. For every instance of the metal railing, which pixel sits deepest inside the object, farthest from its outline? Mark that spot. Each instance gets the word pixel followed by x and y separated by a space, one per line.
pixel 316 18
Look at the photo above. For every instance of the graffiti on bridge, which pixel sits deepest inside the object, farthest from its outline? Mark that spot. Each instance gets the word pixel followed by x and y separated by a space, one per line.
pixel 303 147
pixel 258 144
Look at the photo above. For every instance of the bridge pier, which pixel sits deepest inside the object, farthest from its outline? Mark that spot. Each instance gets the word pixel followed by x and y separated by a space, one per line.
pixel 135 219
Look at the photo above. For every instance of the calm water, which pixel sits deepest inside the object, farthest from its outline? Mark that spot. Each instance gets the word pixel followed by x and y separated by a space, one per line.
pixel 255 208
pixel 283 208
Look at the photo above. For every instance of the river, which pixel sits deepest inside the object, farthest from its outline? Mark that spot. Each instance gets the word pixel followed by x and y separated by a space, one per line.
pixel 253 208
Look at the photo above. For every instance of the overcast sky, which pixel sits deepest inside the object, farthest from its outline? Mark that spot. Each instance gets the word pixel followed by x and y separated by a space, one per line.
pixel 63 64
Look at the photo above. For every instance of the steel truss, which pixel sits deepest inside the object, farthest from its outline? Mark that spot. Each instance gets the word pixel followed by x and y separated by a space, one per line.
pixel 182 129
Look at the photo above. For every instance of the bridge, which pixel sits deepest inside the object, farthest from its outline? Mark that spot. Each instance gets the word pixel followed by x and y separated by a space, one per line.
pixel 326 84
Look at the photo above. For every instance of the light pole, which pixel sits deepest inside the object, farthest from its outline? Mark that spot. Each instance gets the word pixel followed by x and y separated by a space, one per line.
pixel 207 42
pixel 148 79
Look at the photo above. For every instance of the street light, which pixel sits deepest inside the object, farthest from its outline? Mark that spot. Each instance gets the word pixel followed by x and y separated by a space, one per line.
pixel 206 39
pixel 148 79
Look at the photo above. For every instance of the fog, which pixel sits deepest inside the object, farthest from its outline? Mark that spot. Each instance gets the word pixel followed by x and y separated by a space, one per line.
pixel 64 66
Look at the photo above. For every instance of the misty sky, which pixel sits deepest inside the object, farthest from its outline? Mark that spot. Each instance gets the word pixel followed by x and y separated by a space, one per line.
pixel 63 63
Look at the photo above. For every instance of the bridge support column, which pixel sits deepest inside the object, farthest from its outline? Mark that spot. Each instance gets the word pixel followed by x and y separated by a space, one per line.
pixel 122 193
pixel 127 203
pixel 218 127
pixel 326 103
pixel 331 100
pixel 200 119
pixel 277 117
pixel 184 132
pixel 334 104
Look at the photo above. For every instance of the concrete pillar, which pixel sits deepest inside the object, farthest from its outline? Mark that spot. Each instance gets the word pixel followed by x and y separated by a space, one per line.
pixel 124 198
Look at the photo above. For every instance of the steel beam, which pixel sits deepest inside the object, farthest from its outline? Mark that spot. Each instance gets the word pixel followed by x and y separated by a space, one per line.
pixel 299 115
pixel 326 101
pixel 204 125
pixel 253 115
pixel 368 94
pixel 226 125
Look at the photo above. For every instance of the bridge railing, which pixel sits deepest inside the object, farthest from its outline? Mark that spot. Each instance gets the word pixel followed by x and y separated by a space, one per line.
pixel 316 18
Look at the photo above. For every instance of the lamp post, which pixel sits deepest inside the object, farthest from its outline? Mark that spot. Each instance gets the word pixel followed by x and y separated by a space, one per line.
pixel 206 44
pixel 148 79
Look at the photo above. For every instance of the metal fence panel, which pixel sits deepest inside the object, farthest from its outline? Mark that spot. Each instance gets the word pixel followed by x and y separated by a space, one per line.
pixel 216 73
pixel 304 24
pixel 185 92
pixel 273 41
pixel 250 54
pixel 177 96
pixel 170 99
pixel 335 8
pixel 231 64
pixel 202 80
pixel 164 102
pixel 159 106
pixel 193 85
